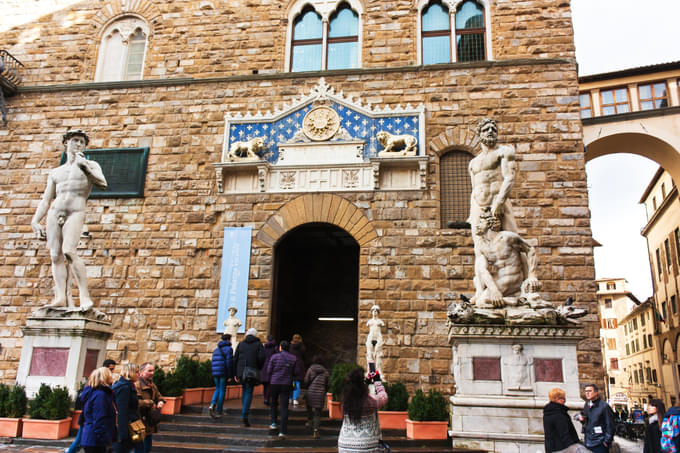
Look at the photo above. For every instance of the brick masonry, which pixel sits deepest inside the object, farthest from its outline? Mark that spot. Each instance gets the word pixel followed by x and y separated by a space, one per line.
pixel 154 262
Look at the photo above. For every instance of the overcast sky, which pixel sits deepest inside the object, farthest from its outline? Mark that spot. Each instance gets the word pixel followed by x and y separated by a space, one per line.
pixel 611 35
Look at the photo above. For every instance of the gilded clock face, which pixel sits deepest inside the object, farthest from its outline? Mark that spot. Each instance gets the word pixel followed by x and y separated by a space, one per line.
pixel 321 123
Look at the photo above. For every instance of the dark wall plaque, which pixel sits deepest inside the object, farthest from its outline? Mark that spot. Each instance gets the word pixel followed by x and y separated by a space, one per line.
pixel 48 362
pixel 91 356
pixel 486 368
pixel 124 170
pixel 548 370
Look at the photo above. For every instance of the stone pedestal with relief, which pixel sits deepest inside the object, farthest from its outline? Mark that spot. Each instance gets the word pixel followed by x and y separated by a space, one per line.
pixel 62 347
pixel 503 375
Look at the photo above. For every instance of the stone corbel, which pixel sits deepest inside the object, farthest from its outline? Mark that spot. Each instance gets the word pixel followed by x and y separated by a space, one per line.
pixel 376 175
pixel 422 167
pixel 262 173
pixel 220 180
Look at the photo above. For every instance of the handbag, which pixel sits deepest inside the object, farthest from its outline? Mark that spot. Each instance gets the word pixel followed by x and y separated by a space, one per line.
pixel 251 375
pixel 137 431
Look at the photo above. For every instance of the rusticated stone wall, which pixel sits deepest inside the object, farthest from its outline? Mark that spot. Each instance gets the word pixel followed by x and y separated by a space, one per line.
pixel 154 262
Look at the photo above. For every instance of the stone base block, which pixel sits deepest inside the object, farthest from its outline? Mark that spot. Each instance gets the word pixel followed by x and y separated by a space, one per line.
pixel 61 351
pixel 503 376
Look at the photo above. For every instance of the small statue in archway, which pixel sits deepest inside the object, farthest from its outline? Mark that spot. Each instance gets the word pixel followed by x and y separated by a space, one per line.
pixel 374 340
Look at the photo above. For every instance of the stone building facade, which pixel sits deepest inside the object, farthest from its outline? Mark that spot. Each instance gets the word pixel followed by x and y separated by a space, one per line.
pixel 154 260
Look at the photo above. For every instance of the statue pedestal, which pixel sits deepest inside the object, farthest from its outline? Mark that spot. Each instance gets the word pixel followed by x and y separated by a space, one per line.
pixel 62 350
pixel 501 388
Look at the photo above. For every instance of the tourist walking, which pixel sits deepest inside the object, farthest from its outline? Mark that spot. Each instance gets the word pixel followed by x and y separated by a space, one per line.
pixel 360 430
pixel 316 383
pixel 269 350
pixel 297 348
pixel 150 404
pixel 222 371
pixel 127 403
pixel 655 410
pixel 99 413
pixel 249 358
pixel 598 421
pixel 557 425
pixel 282 369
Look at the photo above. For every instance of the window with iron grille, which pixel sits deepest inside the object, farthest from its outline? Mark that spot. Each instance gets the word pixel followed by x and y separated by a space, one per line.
pixel 455 189
pixel 470 32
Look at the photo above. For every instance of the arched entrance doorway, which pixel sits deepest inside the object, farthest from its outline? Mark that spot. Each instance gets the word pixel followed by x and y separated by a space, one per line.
pixel 316 289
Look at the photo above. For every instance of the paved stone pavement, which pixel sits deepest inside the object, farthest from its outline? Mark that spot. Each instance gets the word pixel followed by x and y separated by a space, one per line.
pixel 629 446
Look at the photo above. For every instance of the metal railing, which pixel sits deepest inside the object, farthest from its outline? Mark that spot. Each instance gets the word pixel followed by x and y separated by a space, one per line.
pixel 10 78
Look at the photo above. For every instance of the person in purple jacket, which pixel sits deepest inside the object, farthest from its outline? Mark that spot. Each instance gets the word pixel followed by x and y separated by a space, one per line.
pixel 282 369
pixel 99 413
pixel 222 370
pixel 270 348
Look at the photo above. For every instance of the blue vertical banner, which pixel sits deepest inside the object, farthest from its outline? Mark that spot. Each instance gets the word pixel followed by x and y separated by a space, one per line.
pixel 234 276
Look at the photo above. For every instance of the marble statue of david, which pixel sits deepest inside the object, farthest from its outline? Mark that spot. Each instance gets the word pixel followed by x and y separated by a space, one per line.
pixel 64 201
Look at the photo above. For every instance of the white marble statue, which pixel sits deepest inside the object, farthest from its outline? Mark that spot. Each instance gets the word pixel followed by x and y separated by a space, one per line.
pixel 406 144
pixel 231 325
pixel 374 340
pixel 517 370
pixel 64 201
pixel 246 151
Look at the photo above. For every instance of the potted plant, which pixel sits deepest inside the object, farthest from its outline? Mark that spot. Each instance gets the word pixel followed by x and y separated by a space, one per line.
pixel 394 414
pixel 428 416
pixel 170 386
pixel 206 380
pixel 336 384
pixel 49 412
pixel 187 370
pixel 13 404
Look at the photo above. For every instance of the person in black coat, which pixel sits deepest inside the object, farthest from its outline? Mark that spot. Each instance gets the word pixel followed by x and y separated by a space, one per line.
pixel 249 353
pixel 127 403
pixel 270 348
pixel 557 426
pixel 598 421
pixel 655 410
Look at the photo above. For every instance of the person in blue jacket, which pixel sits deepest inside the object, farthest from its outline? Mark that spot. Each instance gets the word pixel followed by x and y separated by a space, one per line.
pixel 222 370
pixel 127 404
pixel 99 414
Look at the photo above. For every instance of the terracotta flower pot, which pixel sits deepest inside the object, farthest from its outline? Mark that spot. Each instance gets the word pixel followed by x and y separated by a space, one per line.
pixel 45 429
pixel 393 419
pixel 329 398
pixel 233 392
pixel 172 405
pixel 335 410
pixel 208 394
pixel 74 419
pixel 258 390
pixel 192 396
pixel 10 427
pixel 426 430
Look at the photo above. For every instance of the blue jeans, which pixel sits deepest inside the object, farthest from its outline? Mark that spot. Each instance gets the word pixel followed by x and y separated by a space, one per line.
pixel 296 392
pixel 246 399
pixel 75 446
pixel 144 447
pixel 220 388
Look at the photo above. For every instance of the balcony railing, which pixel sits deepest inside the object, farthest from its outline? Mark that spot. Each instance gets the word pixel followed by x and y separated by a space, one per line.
pixel 10 78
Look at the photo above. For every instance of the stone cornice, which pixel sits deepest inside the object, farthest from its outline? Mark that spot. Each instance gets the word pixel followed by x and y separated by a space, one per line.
pixel 472 331
pixel 288 75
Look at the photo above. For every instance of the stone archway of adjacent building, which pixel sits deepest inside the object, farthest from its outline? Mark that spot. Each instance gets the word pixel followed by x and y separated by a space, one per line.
pixel 316 241
pixel 658 145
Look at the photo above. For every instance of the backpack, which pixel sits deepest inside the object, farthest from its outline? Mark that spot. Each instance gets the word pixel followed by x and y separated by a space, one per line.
pixel 670 431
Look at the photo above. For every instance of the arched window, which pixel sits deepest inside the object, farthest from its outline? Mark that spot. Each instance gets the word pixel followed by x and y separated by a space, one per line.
pixel 122 50
pixel 325 38
pixel 307 41
pixel 455 188
pixel 343 39
pixel 436 34
pixel 470 32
